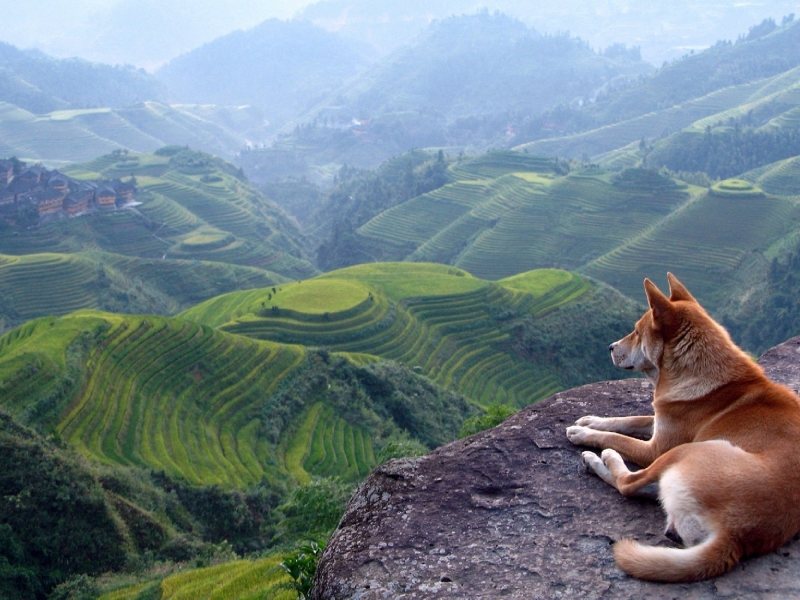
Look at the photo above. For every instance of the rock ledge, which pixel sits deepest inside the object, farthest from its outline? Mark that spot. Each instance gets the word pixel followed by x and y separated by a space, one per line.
pixel 510 513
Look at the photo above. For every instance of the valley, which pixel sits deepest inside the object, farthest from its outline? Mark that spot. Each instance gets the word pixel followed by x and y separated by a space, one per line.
pixel 314 265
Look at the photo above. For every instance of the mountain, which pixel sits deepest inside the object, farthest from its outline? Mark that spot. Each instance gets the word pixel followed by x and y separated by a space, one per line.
pixel 191 206
pixel 39 83
pixel 282 67
pixel 509 341
pixel 697 86
pixel 197 229
pixel 144 127
pixel 503 213
pixel 481 64
pixel 460 84
pixel 663 31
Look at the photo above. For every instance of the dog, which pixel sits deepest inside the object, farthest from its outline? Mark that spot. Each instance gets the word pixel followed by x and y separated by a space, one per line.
pixel 723 448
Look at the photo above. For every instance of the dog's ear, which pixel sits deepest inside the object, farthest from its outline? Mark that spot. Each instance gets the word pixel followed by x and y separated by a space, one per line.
pixel 659 303
pixel 678 291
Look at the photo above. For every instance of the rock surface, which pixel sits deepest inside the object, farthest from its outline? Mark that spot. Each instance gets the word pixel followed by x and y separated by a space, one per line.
pixel 511 513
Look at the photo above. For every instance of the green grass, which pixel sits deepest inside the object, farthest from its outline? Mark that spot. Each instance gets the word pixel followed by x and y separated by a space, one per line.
pixel 261 579
pixel 439 320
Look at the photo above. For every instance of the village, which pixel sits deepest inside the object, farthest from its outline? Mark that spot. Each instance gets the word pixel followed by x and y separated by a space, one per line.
pixel 33 194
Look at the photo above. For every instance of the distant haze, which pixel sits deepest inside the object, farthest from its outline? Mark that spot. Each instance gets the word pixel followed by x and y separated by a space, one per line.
pixel 148 33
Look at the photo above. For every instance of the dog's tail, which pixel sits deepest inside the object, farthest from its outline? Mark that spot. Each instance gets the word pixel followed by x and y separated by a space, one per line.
pixel 715 556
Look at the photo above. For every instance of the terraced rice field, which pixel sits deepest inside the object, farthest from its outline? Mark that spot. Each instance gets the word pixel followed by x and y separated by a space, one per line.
pixel 240 580
pixel 781 178
pixel 650 126
pixel 211 208
pixel 446 325
pixel 161 393
pixel 328 446
pixel 41 284
pixel 180 210
pixel 703 244
pixel 519 221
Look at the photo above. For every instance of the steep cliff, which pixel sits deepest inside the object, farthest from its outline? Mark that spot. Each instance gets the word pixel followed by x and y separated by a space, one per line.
pixel 511 513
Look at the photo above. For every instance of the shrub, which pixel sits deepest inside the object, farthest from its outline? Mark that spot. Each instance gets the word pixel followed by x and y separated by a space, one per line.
pixel 493 415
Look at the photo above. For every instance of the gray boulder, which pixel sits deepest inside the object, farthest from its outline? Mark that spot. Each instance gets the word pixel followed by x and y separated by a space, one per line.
pixel 511 513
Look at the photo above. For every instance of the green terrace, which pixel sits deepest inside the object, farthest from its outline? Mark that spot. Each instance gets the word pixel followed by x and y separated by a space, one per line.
pixel 438 320
pixel 707 241
pixel 199 404
pixel 36 285
pixel 161 393
pixel 519 221
pixel 238 580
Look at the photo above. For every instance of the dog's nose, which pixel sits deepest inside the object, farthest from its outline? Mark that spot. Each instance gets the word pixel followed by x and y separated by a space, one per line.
pixel 611 347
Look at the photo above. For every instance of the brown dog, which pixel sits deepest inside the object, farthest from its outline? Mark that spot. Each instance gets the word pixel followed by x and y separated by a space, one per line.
pixel 723 447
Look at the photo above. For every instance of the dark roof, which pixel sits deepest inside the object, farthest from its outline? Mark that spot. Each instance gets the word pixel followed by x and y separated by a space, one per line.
pixel 47 194
pixel 57 177
pixel 19 185
pixel 106 191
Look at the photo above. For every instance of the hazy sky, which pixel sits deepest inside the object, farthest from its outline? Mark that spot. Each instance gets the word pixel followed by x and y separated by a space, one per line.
pixel 148 33
pixel 141 32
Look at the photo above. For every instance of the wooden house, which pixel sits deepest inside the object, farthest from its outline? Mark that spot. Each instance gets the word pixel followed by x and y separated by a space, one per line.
pixel 78 202
pixel 32 174
pixel 106 197
pixel 124 189
pixel 58 181
pixel 49 201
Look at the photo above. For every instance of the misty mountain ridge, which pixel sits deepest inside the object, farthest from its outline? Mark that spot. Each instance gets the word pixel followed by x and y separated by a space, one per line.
pixel 283 67
pixel 39 83
pixel 459 85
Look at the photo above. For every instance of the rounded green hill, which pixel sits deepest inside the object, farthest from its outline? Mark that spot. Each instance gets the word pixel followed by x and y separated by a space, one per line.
pixel 736 189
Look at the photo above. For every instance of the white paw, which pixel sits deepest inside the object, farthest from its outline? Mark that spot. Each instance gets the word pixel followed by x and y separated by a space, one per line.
pixel 578 435
pixel 591 462
pixel 590 421
pixel 610 456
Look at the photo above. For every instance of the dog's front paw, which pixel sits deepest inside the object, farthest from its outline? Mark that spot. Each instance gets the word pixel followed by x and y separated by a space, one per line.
pixel 591 462
pixel 590 421
pixel 578 435
pixel 611 458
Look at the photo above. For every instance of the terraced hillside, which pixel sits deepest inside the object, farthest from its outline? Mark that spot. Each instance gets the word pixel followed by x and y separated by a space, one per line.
pixel 207 407
pixel 36 285
pixel 507 213
pixel 160 393
pixel 68 136
pixel 699 85
pixel 237 580
pixel 710 241
pixel 460 331
pixel 192 207
pixel 651 125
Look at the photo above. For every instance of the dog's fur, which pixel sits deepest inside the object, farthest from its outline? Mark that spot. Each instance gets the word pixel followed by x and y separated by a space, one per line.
pixel 723 448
